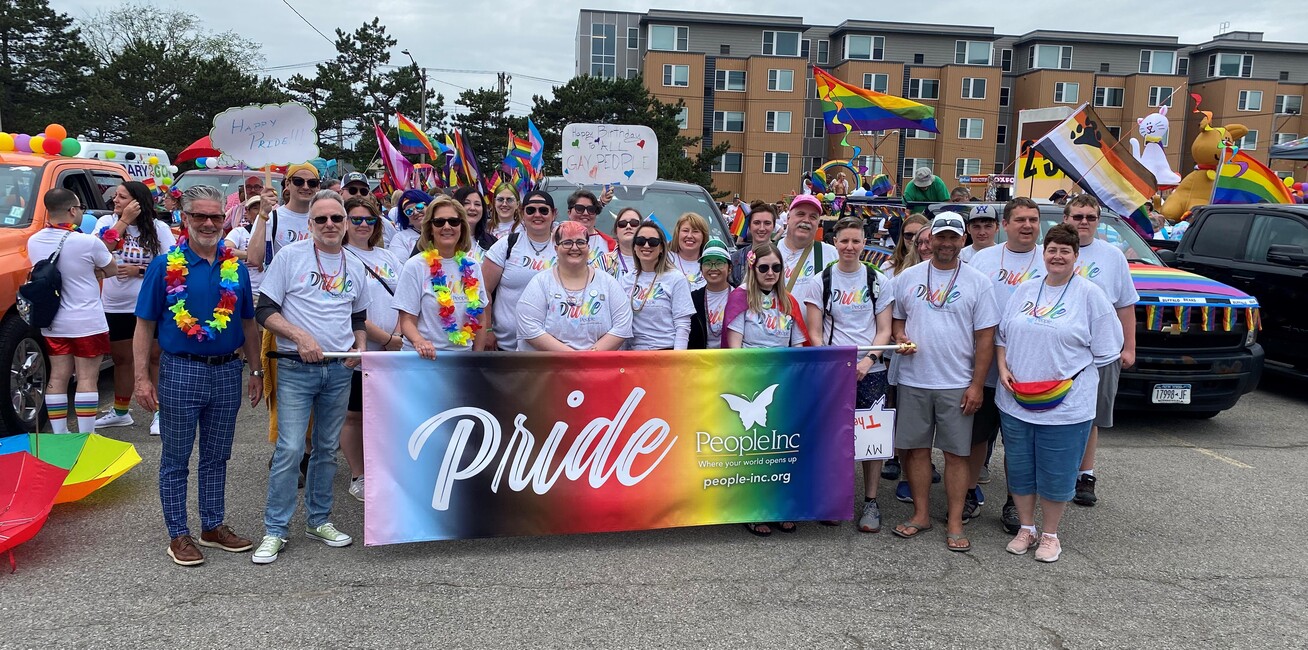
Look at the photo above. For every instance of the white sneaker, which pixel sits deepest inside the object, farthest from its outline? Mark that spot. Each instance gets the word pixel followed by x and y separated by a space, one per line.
pixel 356 488
pixel 268 550
pixel 327 534
pixel 154 425
pixel 112 419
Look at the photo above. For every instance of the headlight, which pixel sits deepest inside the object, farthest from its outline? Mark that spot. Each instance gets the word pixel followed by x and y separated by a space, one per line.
pixel 1250 337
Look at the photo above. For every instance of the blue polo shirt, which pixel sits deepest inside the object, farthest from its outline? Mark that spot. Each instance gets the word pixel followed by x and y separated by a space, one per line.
pixel 201 297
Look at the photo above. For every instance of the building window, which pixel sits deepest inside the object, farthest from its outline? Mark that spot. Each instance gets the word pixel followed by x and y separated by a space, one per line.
pixel 924 88
pixel 877 82
pixel 1250 100
pixel 1115 131
pixel 776 163
pixel 781 43
pixel 824 52
pixel 1057 57
pixel 973 52
pixel 967 167
pixel 1282 138
pixel 1067 92
pixel 603 51
pixel 732 162
pixel 1250 140
pixel 865 48
pixel 911 164
pixel 1284 76
pixel 1104 68
pixel 729 121
pixel 1109 97
pixel 730 80
pixel 633 38
pixel 1001 136
pixel 971 128
pixel 676 75
pixel 1183 66
pixel 781 80
pixel 1157 62
pixel 1289 104
pixel 777 122
pixel 632 73
pixel 1230 65
pixel 1006 59
pixel 683 118
pixel 918 134
pixel 817 127
pixel 804 48
pixel 919 58
pixel 974 88
pixel 1004 93
pixel 1160 96
pixel 813 90
pixel 874 165
pixel 669 38
pixel 724 49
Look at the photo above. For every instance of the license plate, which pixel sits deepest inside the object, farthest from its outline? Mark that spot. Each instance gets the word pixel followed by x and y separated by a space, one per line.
pixel 1172 394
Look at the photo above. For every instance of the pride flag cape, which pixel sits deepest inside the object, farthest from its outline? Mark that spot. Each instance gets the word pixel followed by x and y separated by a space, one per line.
pixel 412 139
pixel 868 110
pixel 1243 179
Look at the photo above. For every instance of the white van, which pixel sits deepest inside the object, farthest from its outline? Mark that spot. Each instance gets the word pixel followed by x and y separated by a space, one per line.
pixel 136 160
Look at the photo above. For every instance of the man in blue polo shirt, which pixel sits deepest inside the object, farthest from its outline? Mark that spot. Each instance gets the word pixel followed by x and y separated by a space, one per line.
pixel 204 312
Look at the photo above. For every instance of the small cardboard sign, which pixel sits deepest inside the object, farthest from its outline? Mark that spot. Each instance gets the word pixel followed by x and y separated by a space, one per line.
pixel 266 134
pixel 617 154
pixel 874 432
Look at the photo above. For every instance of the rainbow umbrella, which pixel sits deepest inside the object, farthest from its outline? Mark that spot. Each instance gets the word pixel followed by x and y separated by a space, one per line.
pixel 28 486
pixel 93 461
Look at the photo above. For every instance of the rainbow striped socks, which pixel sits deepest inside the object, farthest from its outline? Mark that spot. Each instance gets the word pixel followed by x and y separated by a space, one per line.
pixel 121 404
pixel 85 404
pixel 56 406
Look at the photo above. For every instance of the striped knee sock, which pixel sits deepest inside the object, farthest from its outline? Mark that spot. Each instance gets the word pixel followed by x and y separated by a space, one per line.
pixel 57 408
pixel 121 404
pixel 85 404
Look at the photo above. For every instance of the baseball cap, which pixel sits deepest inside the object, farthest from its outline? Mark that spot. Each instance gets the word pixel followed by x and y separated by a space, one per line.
pixel 806 198
pixel 988 215
pixel 948 222
pixel 922 177
pixel 354 177
pixel 715 250
pixel 301 167
pixel 539 196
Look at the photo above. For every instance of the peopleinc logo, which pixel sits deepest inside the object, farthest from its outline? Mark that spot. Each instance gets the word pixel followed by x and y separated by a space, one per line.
pixel 756 439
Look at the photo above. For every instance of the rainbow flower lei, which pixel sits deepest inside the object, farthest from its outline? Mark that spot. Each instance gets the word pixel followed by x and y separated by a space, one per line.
pixel 460 336
pixel 228 282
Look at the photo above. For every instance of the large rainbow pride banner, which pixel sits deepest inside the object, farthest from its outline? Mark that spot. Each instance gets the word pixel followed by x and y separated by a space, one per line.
pixel 489 444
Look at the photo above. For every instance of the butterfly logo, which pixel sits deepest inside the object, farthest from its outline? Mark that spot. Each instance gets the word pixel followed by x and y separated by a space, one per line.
pixel 752 412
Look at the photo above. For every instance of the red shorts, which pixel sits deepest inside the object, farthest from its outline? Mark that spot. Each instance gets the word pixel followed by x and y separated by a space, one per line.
pixel 83 347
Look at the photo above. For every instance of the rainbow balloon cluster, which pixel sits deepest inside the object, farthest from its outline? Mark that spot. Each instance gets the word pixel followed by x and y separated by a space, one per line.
pixel 53 141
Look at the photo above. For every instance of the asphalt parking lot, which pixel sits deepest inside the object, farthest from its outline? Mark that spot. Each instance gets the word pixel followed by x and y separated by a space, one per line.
pixel 1196 543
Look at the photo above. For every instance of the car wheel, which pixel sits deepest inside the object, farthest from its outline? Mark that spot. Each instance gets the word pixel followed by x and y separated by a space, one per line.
pixel 24 382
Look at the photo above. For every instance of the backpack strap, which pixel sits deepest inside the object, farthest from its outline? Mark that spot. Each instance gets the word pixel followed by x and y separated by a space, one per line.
pixel 54 257
pixel 797 314
pixel 826 302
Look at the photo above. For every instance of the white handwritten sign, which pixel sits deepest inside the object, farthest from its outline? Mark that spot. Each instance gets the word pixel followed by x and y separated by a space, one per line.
pixel 266 134
pixel 620 154
pixel 874 432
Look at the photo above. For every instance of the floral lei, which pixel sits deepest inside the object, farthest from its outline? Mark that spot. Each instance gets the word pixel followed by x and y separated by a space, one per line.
pixel 461 336
pixel 228 282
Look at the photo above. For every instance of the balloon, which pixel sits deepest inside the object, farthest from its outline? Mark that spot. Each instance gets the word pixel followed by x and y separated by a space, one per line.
pixel 154 160
pixel 23 142
pixel 70 147
pixel 110 154
pixel 52 146
pixel 36 143
pixel 172 169
pixel 131 156
pixel 6 142
pixel 1289 181
pixel 211 163
pixel 55 132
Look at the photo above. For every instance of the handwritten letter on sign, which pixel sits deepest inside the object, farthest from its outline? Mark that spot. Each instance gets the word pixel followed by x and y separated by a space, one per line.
pixel 267 134
pixel 597 154
pixel 874 432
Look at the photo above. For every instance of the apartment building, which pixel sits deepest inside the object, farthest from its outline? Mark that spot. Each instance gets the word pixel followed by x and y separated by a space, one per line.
pixel 747 80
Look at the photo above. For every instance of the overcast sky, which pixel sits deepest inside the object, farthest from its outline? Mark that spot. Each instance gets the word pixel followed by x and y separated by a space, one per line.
pixel 535 38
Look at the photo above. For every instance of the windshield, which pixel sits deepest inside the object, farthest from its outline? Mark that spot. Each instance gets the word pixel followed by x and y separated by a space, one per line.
pixel 227 183
pixel 1112 229
pixel 664 205
pixel 18 185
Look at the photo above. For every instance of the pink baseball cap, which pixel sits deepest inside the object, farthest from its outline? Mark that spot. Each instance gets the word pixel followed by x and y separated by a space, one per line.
pixel 806 198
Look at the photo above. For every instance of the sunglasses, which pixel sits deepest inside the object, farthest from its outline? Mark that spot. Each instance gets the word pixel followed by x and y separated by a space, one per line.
pixel 573 243
pixel 196 216
pixel 585 209
pixel 441 222
pixel 505 199
pixel 533 210
pixel 775 267
pixel 627 223
pixel 356 191
pixel 414 209
pixel 361 221
pixel 301 182
pixel 336 218
pixel 943 223
pixel 646 241
pixel 1083 217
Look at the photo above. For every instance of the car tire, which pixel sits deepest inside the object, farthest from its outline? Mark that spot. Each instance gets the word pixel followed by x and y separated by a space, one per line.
pixel 24 378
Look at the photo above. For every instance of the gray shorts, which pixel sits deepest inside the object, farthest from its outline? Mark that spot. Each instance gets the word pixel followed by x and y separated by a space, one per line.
pixel 933 418
pixel 1107 394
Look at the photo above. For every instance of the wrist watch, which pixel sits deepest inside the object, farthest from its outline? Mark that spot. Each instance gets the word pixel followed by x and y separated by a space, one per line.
pixel 256 373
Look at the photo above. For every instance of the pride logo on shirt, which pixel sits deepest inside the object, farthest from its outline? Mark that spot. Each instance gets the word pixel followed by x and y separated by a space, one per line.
pixel 589 307
pixel 536 263
pixel 293 235
pixel 336 285
pixel 1051 312
pixel 384 270
pixel 936 297
pixel 1014 278
pixel 695 278
pixel 774 322
pixel 858 297
pixel 646 294
pixel 1088 271
pixel 715 317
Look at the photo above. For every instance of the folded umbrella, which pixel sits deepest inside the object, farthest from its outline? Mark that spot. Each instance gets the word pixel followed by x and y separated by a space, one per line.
pixel 93 461
pixel 28 486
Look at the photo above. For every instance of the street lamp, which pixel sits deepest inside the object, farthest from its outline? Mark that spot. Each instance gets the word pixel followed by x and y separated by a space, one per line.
pixel 422 118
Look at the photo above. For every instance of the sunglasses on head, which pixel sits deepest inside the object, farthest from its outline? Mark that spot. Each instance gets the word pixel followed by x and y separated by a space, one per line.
pixel 301 182
pixel 775 267
pixel 585 209
pixel 322 219
pixel 441 222
pixel 533 210
pixel 360 221
pixel 356 191
pixel 627 223
pixel 646 241
pixel 215 218
pixel 1083 217
pixel 956 223
pixel 573 243
pixel 414 209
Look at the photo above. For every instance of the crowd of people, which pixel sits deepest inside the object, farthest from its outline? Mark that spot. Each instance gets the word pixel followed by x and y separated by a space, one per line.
pixel 1026 337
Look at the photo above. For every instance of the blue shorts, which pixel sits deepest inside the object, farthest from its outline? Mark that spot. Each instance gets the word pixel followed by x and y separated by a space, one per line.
pixel 1043 459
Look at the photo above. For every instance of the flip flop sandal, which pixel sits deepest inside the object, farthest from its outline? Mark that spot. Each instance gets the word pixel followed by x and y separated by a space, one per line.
pixel 781 526
pixel 952 540
pixel 754 529
pixel 900 530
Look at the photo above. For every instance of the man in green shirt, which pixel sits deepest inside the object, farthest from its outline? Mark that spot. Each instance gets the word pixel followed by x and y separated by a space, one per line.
pixel 925 187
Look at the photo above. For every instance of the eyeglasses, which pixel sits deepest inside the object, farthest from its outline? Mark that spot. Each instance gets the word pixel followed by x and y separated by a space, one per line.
pixel 573 243
pixel 505 199
pixel 643 242
pixel 360 221
pixel 712 264
pixel 1083 217
pixel 585 209
pixel 76 207
pixel 253 189
pixel 627 223
pixel 301 182
pixel 441 222
pixel 533 210
pixel 414 209
pixel 336 218
pixel 775 267
pixel 196 216
pixel 356 191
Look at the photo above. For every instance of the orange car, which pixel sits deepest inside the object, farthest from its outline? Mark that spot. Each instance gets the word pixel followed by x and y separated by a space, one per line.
pixel 24 179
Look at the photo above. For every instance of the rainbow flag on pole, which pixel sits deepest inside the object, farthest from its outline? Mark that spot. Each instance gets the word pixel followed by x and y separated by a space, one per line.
pixel 398 169
pixel 1243 179
pixel 412 139
pixel 868 110
pixel 537 150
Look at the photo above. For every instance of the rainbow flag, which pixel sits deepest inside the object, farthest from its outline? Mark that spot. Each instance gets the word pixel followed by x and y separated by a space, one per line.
pixel 412 139
pixel 398 169
pixel 868 110
pixel 1244 179
pixel 1161 281
pixel 738 225
pixel 537 150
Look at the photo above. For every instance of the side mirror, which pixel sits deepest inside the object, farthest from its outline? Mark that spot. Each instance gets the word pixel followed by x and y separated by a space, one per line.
pixel 1287 255
pixel 1167 257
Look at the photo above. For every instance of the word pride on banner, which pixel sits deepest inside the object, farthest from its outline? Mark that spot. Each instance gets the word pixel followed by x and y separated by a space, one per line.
pixel 484 444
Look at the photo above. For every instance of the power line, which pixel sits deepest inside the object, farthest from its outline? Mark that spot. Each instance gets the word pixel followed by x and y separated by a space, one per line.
pixel 306 21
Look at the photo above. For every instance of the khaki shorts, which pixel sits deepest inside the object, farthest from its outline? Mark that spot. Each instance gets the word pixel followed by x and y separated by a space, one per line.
pixel 933 418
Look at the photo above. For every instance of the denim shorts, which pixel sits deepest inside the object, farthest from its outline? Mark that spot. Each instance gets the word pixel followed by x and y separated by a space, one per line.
pixel 1043 459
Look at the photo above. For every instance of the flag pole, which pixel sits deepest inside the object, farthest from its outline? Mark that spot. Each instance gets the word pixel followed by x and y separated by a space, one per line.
pixel 1221 163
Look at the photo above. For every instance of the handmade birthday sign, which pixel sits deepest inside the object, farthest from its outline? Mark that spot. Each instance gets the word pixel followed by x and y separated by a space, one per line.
pixel 618 154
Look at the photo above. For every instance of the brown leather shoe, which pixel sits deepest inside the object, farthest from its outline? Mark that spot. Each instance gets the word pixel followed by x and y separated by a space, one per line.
pixel 222 537
pixel 184 552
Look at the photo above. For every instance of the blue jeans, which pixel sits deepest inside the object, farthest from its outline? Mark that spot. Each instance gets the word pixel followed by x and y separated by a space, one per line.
pixel 1043 459
pixel 303 390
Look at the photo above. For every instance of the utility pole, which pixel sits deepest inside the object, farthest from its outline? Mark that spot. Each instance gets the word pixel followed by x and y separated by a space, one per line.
pixel 422 116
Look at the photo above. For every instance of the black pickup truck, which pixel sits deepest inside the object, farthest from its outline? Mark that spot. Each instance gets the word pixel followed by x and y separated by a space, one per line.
pixel 1263 251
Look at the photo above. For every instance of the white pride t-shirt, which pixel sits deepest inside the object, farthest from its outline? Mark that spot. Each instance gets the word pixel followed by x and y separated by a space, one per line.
pixel 1058 333
pixel 239 239
pixel 716 302
pixel 317 299
pixel 527 261
pixel 810 275
pixel 383 264
pixel 416 296
pixel 658 303
pixel 291 227
pixel 119 294
pixel 1106 266
pixel 694 276
pixel 81 312
pixel 940 317
pixel 1006 271
pixel 578 319
pixel 768 328
pixel 850 315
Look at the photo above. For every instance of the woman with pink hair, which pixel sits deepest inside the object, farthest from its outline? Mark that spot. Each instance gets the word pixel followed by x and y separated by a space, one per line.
pixel 573 306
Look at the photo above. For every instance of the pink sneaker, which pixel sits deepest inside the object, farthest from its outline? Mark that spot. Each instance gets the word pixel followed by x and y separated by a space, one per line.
pixel 1023 542
pixel 1049 549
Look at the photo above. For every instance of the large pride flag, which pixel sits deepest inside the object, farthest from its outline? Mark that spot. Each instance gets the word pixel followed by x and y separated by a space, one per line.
pixel 550 443
pixel 868 110
pixel 1243 179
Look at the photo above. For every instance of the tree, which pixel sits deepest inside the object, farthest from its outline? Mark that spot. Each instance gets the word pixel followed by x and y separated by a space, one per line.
pixel 485 124
pixel 43 65
pixel 594 100
pixel 109 32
